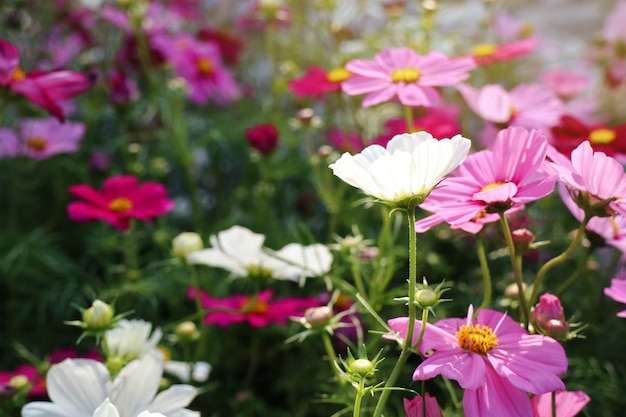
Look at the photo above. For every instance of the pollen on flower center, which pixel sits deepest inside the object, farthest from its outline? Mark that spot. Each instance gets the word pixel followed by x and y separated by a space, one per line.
pixel 120 205
pixel 204 66
pixel 255 306
pixel 602 136
pixel 492 186
pixel 17 74
pixel 406 75
pixel 483 50
pixel 338 75
pixel 477 338
pixel 37 143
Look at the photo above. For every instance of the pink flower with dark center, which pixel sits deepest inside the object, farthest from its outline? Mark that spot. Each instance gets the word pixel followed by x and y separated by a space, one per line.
pixel 617 291
pixel 258 310
pixel 415 407
pixel 121 199
pixel 317 81
pixel 493 181
pixel 263 137
pixel 402 74
pixel 41 139
pixel 568 404
pixel 492 358
pixel 486 54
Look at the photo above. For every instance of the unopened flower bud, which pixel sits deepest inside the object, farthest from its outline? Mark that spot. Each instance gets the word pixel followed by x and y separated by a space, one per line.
pixel 512 291
pixel 115 364
pixel 426 298
pixel 98 316
pixel 318 316
pixel 549 318
pixel 557 329
pixel 522 238
pixel 362 367
pixel 187 331
pixel 19 381
pixel 186 243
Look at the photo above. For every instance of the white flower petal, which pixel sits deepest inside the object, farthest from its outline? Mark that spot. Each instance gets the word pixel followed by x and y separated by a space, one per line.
pixel 176 397
pixel 179 369
pixel 45 409
pixel 106 409
pixel 305 261
pixel 137 383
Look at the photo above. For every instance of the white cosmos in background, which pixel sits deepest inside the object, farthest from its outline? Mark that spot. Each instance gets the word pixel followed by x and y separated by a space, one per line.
pixel 241 251
pixel 410 166
pixel 131 339
pixel 83 388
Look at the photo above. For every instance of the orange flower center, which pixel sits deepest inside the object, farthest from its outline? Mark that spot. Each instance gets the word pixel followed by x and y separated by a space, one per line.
pixel 405 75
pixel 254 306
pixel 204 66
pixel 120 205
pixel 483 50
pixel 479 339
pixel 18 74
pixel 338 75
pixel 602 136
pixel 37 143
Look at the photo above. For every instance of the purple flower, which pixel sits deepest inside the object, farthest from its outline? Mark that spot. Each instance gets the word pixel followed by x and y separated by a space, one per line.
pixel 41 139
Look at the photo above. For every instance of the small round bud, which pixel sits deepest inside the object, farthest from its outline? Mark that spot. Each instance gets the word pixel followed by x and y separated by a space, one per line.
pixel 186 243
pixel 19 381
pixel 555 328
pixel 115 364
pixel 98 316
pixel 362 367
pixel 318 316
pixel 511 290
pixel 426 298
pixel 186 331
pixel 522 238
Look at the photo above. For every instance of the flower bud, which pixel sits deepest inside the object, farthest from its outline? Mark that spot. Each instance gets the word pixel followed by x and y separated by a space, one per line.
pixel 548 317
pixel 263 137
pixel 98 316
pixel 186 243
pixel 318 316
pixel 362 367
pixel 115 364
pixel 426 298
pixel 557 329
pixel 522 238
pixel 19 381
pixel 187 331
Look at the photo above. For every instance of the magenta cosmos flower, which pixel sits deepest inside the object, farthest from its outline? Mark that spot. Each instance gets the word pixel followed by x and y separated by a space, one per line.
pixel 415 407
pixel 258 310
pixel 492 181
pixel 317 81
pixel 41 138
pixel 617 291
pixel 486 54
pixel 568 404
pixel 403 74
pixel 121 199
pixel 492 358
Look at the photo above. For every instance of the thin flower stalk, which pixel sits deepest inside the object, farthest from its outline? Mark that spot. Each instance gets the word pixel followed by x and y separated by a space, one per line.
pixel 484 267
pixel 517 270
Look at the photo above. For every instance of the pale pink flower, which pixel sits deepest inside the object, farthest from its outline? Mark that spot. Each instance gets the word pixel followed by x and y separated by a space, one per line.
pixel 403 74
pixel 41 138
pixel 568 403
pixel 486 54
pixel 565 83
pixel 614 29
pixel 617 291
pixel 415 407
pixel 493 181
pixel 492 358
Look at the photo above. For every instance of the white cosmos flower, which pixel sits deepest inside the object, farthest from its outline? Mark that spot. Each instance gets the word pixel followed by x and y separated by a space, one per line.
pixel 409 168
pixel 81 387
pixel 131 339
pixel 241 251
pixel 199 370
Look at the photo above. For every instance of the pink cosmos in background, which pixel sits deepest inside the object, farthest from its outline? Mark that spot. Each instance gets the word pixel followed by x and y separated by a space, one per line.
pixel 528 105
pixel 41 138
pixel 264 13
pixel 345 141
pixel 492 181
pixel 263 137
pixel 402 74
pixel 487 54
pixel 568 404
pixel 258 310
pixel 492 358
pixel 121 199
pixel 317 81
pixel 565 83
pixel 229 44
pixel 617 291
pixel 415 407
pixel 122 88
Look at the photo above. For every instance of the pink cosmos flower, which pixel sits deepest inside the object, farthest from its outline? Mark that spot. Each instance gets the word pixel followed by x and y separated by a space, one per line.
pixel 492 358
pixel 568 404
pixel 265 13
pixel 44 88
pixel 122 88
pixel 492 181
pixel 121 199
pixel 487 54
pixel 565 83
pixel 345 141
pixel 41 139
pixel 317 81
pixel 528 105
pixel 596 181
pixel 263 137
pixel 258 310
pixel 415 407
pixel 229 44
pixel 617 291
pixel 403 74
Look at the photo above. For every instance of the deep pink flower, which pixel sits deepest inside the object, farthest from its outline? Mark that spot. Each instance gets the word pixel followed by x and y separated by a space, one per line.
pixel 317 81
pixel 403 74
pixel 548 317
pixel 345 141
pixel 415 407
pixel 122 89
pixel 263 137
pixel 41 138
pixel 229 44
pixel 258 311
pixel 492 358
pixel 487 54
pixel 571 132
pixel 491 181
pixel 121 199
pixel 568 403
pixel 617 291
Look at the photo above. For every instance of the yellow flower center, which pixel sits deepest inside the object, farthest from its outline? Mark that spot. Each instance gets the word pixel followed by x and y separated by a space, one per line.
pixel 255 306
pixel 37 143
pixel 602 136
pixel 405 75
pixel 18 74
pixel 492 186
pixel 120 205
pixel 483 50
pixel 167 355
pixel 204 66
pixel 338 75
pixel 479 339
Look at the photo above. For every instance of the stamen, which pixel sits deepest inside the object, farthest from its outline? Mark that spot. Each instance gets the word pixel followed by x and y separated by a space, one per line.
pixel 477 338
pixel 483 50
pixel 120 205
pixel 602 136
pixel 37 143
pixel 338 75
pixel 406 75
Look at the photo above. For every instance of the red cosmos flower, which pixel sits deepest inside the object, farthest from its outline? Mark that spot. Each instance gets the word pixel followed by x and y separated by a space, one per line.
pixel 263 137
pixel 317 81
pixel 571 132
pixel 121 199
pixel 44 88
pixel 258 311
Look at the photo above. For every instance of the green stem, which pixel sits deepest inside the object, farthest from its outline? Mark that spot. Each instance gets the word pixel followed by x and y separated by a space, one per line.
pixel 408 116
pixel 517 269
pixel 553 398
pixel 359 398
pixel 356 273
pixel 196 287
pixel 558 259
pixel 406 347
pixel 330 351
pixel 484 267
